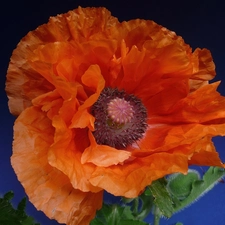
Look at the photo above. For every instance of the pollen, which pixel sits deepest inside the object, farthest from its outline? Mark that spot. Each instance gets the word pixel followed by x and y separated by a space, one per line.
pixel 120 110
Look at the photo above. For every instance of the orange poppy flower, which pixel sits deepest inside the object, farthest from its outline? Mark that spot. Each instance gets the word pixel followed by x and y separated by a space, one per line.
pixel 104 105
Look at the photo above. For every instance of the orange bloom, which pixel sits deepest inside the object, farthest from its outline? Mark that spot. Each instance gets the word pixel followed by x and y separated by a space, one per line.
pixel 104 105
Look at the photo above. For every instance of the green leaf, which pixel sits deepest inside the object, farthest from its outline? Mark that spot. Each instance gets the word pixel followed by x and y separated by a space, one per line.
pixel 162 199
pixel 22 205
pixel 180 185
pixel 97 221
pixel 9 215
pixel 200 187
pixel 147 201
pixel 140 206
pixel 116 215
pixel 8 196
pixel 112 214
pixel 132 222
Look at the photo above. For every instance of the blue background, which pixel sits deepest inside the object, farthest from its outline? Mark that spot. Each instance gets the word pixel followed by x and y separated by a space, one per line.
pixel 201 23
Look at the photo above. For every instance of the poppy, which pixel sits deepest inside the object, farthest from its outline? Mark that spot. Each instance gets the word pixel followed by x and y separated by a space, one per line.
pixel 107 105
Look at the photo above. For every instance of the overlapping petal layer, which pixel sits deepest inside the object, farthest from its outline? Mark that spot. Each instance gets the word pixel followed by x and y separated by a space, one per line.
pixel 58 72
pixel 49 189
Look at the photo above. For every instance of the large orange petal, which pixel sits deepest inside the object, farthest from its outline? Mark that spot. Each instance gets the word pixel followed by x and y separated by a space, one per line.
pixel 94 82
pixel 205 153
pixel 25 83
pixel 204 105
pixel 130 179
pixel 203 69
pixel 50 103
pixel 84 211
pixel 144 77
pixel 65 155
pixel 53 104
pixel 163 138
pixel 66 89
pixel 90 22
pixel 166 57
pixel 47 187
pixel 103 155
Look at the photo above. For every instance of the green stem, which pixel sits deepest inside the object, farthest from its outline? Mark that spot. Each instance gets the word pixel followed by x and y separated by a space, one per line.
pixel 156 216
pixel 147 204
pixel 115 214
pixel 162 198
pixel 135 205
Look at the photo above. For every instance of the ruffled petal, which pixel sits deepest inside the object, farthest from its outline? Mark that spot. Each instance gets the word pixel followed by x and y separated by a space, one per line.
pixel 24 82
pixel 157 58
pixel 95 83
pixel 47 187
pixel 203 106
pixel 167 138
pixel 103 155
pixel 65 155
pixel 84 211
pixel 130 179
pixel 205 153
pixel 50 103
pixel 66 89
pixel 204 67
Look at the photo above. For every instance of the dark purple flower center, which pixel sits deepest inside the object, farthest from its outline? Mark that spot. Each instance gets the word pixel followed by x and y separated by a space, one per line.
pixel 120 118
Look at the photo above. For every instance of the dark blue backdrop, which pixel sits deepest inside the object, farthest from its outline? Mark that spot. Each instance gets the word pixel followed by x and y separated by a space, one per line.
pixel 201 23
